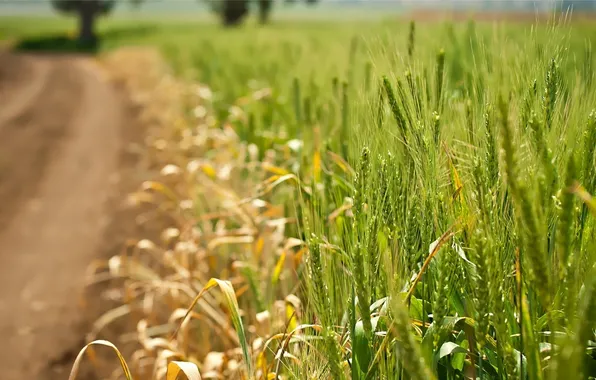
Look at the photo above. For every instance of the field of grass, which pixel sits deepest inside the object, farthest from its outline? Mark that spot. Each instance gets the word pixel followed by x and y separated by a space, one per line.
pixel 387 200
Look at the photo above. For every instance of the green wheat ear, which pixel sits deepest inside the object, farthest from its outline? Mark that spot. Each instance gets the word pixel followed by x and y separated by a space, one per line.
pixel 380 107
pixel 427 90
pixel 589 146
pixel 549 170
pixel 443 289
pixel 479 256
pixel 587 317
pixel 411 39
pixel 532 234
pixel 397 114
pixel 470 122
pixel 297 101
pixel 571 357
pixel 588 166
pixel 319 289
pixel 409 350
pixel 333 349
pixel 508 151
pixel 358 259
pixel 551 91
pixel 386 173
pixel 362 290
pixel 408 115
pixel 345 115
pixel 492 160
pixel 308 110
pixel 439 79
pixel 335 87
pixel 436 128
pixel 414 92
pixel 588 64
pixel 565 223
pixel 527 105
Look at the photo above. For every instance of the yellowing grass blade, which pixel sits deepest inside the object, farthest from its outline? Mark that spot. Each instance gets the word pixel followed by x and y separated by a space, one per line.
pixel 457 184
pixel 278 267
pixel 338 211
pixel 291 317
pixel 140 198
pixel 190 370
pixel 228 291
pixel 316 160
pixel 316 163
pixel 298 256
pixel 339 161
pixel 208 170
pixel 258 248
pixel 585 197
pixel 287 337
pixel 262 361
pixel 159 188
pixel 434 249
pixel 275 180
pixel 274 169
pixel 77 362
pixel 287 355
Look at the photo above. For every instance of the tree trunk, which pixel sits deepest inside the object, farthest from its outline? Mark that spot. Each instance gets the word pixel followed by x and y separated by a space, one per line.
pixel 234 11
pixel 88 11
pixel 264 10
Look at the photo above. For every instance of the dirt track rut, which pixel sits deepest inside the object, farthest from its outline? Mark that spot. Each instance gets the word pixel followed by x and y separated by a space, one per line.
pixel 59 143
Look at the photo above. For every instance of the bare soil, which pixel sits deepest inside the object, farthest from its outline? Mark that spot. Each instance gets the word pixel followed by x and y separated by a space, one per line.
pixel 66 166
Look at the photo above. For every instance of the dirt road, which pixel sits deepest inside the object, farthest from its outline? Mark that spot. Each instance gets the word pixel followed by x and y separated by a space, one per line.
pixel 60 142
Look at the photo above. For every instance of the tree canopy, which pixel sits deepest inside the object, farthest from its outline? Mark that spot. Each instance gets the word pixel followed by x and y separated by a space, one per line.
pixel 231 12
pixel 87 11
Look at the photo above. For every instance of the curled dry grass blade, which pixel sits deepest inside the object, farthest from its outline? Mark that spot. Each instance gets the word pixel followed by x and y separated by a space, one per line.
pixel 434 249
pixel 175 368
pixel 190 370
pixel 228 291
pixel 75 367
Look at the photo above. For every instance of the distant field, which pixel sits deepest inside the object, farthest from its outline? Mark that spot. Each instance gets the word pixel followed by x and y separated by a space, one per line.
pixel 24 25
pixel 388 200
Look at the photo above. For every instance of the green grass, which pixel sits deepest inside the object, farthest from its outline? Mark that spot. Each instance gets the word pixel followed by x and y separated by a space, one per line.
pixel 462 249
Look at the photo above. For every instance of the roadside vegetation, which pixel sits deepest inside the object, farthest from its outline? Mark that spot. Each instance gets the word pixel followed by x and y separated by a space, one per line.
pixel 368 201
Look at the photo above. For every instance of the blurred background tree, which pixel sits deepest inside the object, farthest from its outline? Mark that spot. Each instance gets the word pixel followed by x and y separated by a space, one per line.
pixel 87 11
pixel 233 12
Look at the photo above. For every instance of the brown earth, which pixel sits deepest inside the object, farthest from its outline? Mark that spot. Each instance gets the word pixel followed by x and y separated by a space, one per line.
pixel 65 167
